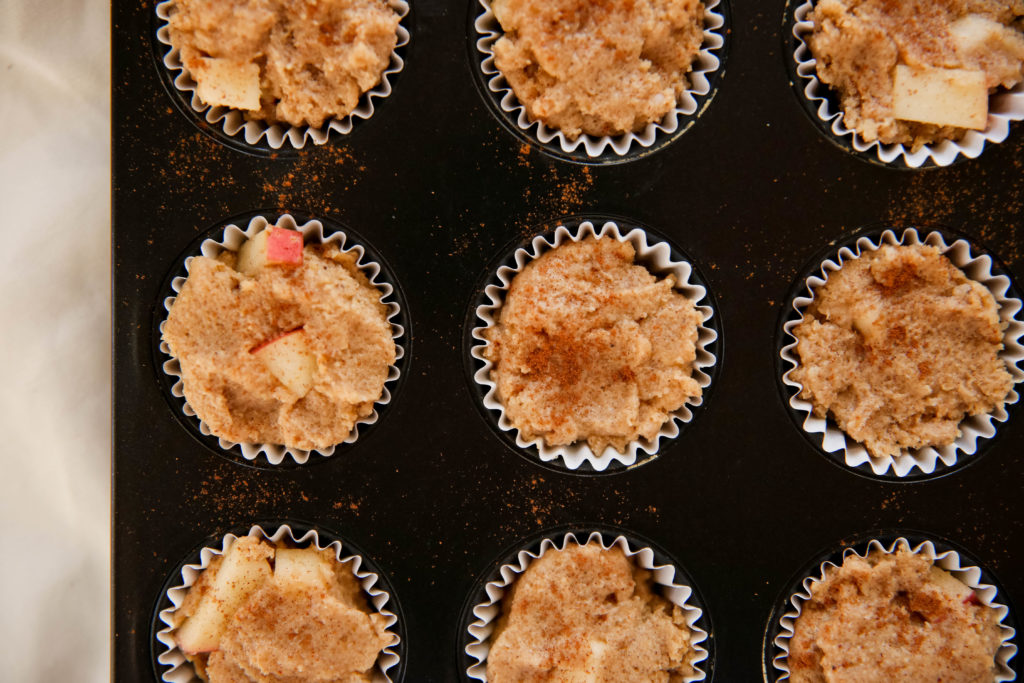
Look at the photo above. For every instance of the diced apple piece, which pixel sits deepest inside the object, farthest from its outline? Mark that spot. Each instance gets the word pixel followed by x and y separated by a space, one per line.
pixel 271 246
pixel 302 568
pixel 284 247
pixel 943 97
pixel 949 585
pixel 228 83
pixel 865 321
pixel 498 7
pixel 290 360
pixel 974 34
pixel 252 256
pixel 243 570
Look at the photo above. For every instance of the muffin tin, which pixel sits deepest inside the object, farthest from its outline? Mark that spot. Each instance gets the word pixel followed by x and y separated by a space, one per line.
pixel 752 194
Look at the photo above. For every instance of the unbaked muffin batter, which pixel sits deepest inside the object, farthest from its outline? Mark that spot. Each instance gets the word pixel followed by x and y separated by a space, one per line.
pixel 222 315
pixel 590 346
pixel 858 45
pixel 585 613
pixel 295 61
pixel 312 626
pixel 898 346
pixel 601 68
pixel 893 618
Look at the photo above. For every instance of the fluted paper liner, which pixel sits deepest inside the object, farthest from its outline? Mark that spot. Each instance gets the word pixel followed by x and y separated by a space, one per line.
pixel 948 560
pixel 233 121
pixel 659 257
pixel 487 613
pixel 313 233
pixel 1004 106
pixel 705 63
pixel 181 670
pixel 972 428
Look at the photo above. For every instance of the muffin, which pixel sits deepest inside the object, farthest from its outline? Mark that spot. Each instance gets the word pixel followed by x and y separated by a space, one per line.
pixel 600 82
pixel 274 608
pixel 272 72
pixel 597 68
pixel 590 347
pixel 282 340
pixel 915 73
pixel 893 616
pixel 294 61
pixel 587 608
pixel 898 347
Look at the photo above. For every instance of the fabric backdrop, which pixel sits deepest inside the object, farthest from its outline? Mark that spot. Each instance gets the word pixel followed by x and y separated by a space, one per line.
pixel 55 340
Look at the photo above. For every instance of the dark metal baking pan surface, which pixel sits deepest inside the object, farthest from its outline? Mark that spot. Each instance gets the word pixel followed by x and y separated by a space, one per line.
pixel 751 193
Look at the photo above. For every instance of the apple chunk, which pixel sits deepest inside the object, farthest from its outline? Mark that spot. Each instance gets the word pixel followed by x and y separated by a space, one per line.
pixel 290 360
pixel 302 568
pixel 271 246
pixel 242 571
pixel 228 83
pixel 943 97
pixel 976 35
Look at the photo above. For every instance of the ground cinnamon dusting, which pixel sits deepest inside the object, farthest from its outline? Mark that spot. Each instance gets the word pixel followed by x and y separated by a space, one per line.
pixel 590 346
pixel 600 68
pixel 892 617
pixel 585 613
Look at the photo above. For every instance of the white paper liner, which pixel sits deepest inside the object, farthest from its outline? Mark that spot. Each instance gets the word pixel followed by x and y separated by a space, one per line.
pixel 948 560
pixel 313 233
pixel 704 64
pixel 182 671
pixel 233 121
pixel 1004 106
pixel 487 613
pixel 977 268
pixel 659 255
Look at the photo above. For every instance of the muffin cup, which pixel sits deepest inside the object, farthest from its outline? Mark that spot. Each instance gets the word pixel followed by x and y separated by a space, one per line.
pixel 660 259
pixel 230 238
pixel 942 554
pixel 170 664
pixel 230 125
pixel 483 609
pixel 707 68
pixel 822 105
pixel 929 461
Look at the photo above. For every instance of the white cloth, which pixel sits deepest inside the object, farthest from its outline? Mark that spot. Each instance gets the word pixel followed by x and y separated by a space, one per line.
pixel 55 340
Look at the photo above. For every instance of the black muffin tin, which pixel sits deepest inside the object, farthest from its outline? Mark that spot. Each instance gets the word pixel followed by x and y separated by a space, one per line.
pixel 437 185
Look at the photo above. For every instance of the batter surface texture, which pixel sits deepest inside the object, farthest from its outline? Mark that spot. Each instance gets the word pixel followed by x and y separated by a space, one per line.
pixel 898 347
pixel 221 315
pixel 601 68
pixel 858 44
pixel 310 631
pixel 585 613
pixel 312 58
pixel 591 346
pixel 893 618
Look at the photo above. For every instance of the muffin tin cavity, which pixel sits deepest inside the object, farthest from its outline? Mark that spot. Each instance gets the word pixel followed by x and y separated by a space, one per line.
pixel 704 79
pixel 483 605
pixel 821 104
pixel 170 664
pixel 230 234
pixel 230 127
pixel 943 554
pixel 977 431
pixel 660 258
